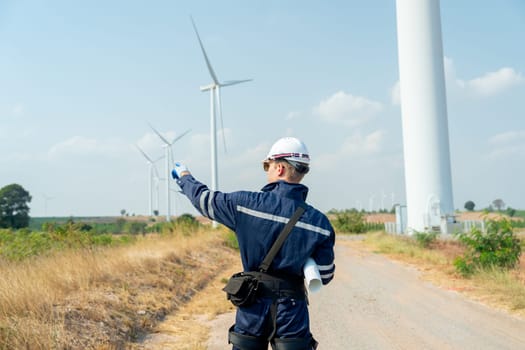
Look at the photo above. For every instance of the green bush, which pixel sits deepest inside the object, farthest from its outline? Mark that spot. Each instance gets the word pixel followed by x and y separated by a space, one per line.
pixel 135 227
pixel 24 243
pixel 186 223
pixel 102 240
pixel 186 219
pixel 498 247
pixel 349 221
pixel 17 245
pixel 425 239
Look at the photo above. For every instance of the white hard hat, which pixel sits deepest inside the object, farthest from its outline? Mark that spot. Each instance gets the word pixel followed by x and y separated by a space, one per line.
pixel 291 149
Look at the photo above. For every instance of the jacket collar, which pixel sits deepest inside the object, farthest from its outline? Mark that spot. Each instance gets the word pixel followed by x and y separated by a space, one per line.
pixel 294 191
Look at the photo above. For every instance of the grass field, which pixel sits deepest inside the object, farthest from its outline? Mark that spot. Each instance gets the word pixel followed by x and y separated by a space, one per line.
pixel 104 298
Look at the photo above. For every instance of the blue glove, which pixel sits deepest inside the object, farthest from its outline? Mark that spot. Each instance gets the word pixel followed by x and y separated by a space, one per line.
pixel 178 169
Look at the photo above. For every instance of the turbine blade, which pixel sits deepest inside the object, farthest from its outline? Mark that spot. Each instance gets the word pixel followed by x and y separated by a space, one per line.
pixel 144 154
pixel 157 176
pixel 210 69
pixel 159 134
pixel 179 137
pixel 219 105
pixel 235 82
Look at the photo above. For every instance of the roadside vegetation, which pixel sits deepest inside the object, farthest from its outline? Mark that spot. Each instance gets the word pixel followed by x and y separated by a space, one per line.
pixel 67 286
pixel 352 221
pixel 106 284
pixel 487 265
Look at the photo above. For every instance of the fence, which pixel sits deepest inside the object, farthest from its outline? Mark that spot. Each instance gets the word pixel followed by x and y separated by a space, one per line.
pixel 392 227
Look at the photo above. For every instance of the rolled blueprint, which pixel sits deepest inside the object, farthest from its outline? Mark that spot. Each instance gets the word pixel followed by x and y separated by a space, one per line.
pixel 312 276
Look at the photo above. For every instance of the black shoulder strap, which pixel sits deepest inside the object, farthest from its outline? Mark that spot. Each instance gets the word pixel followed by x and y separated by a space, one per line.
pixel 265 265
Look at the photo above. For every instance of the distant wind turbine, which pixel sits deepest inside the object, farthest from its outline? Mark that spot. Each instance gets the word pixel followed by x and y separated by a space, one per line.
pixel 153 174
pixel 46 199
pixel 215 101
pixel 169 159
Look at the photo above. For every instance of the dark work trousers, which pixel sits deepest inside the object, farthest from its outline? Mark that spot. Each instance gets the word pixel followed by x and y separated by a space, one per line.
pixel 291 320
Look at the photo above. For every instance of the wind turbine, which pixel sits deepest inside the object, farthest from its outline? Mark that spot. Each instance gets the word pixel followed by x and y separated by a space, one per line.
pixel 157 181
pixel 153 172
pixel 371 202
pixel 169 158
pixel 215 101
pixel 46 199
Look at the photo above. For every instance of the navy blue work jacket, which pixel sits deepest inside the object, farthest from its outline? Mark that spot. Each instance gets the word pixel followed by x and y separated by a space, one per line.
pixel 257 218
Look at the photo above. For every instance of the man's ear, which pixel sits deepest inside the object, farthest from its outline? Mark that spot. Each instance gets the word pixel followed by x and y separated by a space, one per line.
pixel 281 169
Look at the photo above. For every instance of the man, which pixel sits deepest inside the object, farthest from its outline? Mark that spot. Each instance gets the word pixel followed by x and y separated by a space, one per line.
pixel 280 315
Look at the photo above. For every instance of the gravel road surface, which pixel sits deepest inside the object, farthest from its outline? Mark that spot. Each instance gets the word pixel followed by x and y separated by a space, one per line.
pixel 376 303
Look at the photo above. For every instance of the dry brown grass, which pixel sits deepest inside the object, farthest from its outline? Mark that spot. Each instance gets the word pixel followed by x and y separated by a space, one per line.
pixel 189 327
pixel 105 298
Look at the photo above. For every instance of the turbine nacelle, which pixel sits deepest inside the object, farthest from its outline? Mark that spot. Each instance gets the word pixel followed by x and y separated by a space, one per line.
pixel 208 87
pixel 215 101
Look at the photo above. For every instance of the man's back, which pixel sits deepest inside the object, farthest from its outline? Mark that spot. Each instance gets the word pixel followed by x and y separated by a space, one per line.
pixel 278 311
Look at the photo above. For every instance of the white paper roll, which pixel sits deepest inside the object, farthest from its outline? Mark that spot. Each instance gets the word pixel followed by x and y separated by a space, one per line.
pixel 312 276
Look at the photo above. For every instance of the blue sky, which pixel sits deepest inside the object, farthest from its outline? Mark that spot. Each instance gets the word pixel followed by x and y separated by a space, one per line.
pixel 80 81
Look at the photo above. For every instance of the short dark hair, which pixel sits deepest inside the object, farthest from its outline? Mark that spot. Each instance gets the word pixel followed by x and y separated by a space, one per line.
pixel 294 173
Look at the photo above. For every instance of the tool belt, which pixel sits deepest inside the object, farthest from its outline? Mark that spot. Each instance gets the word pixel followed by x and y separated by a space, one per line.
pixel 244 288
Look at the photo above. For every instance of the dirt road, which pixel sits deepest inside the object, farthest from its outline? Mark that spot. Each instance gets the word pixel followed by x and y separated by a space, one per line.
pixel 375 303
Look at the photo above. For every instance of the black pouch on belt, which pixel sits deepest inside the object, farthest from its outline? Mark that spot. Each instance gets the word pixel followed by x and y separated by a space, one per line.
pixel 242 289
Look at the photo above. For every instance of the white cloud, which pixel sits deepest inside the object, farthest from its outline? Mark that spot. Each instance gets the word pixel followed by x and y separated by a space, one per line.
pixel 511 143
pixel 352 147
pixel 347 109
pixel 489 84
pixel 84 146
pixel 493 83
pixel 508 137
pixel 395 94
pixel 359 145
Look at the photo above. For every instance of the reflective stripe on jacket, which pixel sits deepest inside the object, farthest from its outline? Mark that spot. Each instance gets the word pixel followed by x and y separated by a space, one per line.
pixel 257 218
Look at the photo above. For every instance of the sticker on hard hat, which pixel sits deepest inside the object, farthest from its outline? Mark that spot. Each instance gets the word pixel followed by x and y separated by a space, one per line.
pixel 286 155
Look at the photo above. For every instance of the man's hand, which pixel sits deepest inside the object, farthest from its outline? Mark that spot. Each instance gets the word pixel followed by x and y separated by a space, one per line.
pixel 179 170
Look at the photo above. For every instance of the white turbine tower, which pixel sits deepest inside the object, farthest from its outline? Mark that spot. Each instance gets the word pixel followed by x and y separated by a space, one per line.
pixel 153 173
pixel 157 180
pixel 169 158
pixel 46 199
pixel 426 150
pixel 215 100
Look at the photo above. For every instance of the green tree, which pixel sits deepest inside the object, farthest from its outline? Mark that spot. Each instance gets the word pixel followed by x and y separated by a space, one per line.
pixel 469 205
pixel 498 204
pixel 14 209
pixel 510 211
